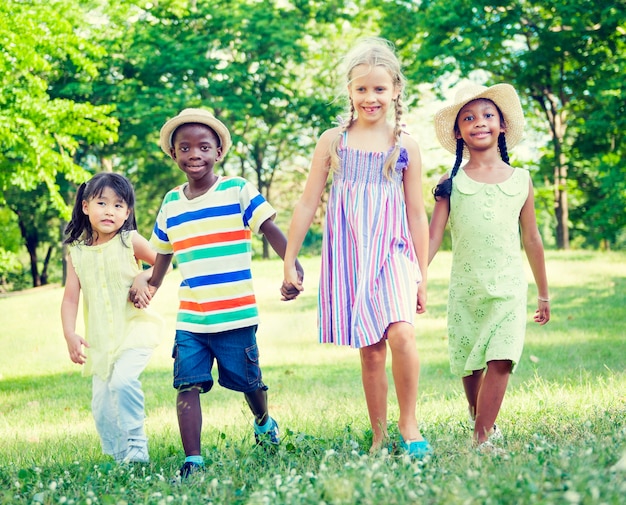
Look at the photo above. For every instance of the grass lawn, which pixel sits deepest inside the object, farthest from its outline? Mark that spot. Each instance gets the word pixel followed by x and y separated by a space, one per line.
pixel 563 418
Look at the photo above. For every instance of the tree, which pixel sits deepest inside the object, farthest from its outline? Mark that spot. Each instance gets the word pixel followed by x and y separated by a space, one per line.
pixel 552 51
pixel 41 135
pixel 248 61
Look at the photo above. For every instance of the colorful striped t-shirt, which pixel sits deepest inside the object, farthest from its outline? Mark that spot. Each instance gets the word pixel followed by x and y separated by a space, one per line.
pixel 210 237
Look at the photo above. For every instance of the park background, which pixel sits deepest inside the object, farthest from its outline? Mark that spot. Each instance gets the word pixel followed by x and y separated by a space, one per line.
pixel 86 87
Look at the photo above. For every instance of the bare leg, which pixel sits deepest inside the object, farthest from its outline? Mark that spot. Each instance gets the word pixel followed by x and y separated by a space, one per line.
pixel 189 419
pixel 375 386
pixel 405 367
pixel 257 401
pixel 472 384
pixel 490 398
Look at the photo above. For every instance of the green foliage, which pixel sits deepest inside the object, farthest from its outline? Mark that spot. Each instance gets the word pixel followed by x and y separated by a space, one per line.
pixel 564 57
pixel 42 134
pixel 245 60
pixel 39 133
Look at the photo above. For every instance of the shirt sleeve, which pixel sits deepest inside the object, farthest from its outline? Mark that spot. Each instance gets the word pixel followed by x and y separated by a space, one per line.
pixel 255 209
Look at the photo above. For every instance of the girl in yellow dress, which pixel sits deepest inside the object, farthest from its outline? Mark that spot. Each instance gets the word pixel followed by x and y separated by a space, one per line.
pixel 104 254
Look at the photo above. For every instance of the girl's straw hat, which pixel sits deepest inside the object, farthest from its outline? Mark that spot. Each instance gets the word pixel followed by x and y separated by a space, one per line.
pixel 201 116
pixel 503 95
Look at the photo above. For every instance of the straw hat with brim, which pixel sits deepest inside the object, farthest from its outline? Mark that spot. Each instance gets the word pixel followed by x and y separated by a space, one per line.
pixel 200 116
pixel 503 95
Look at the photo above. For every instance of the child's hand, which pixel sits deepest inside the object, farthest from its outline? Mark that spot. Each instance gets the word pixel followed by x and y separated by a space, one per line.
pixel 421 298
pixel 542 314
pixel 288 291
pixel 141 296
pixel 76 345
pixel 140 293
pixel 292 284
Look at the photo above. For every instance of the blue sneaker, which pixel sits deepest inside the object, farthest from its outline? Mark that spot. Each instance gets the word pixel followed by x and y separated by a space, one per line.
pixel 190 468
pixel 417 448
pixel 271 435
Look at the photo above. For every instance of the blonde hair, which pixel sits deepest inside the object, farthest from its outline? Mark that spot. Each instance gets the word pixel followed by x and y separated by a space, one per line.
pixel 374 52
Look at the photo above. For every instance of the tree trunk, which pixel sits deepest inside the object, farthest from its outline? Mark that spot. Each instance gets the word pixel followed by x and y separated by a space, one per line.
pixel 561 209
pixel 34 272
pixel 555 115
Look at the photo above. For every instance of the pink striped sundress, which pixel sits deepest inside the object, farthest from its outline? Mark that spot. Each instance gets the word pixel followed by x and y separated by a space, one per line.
pixel 369 273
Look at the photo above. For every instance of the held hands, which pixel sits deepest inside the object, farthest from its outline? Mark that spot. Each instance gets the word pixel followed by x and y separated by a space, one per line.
pixel 141 292
pixel 292 284
pixel 75 346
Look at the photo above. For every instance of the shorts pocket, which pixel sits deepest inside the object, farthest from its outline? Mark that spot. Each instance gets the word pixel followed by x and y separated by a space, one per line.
pixel 253 369
pixel 176 363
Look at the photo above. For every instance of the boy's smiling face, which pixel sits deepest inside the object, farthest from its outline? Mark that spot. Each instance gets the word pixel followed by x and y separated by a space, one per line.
pixel 195 150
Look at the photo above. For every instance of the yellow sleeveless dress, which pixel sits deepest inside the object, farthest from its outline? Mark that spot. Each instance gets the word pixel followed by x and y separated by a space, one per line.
pixel 112 323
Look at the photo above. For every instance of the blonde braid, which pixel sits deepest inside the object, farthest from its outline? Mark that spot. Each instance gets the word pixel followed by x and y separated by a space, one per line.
pixel 392 159
pixel 334 145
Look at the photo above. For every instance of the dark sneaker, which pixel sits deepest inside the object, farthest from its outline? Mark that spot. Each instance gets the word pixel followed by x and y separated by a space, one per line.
pixel 272 436
pixel 189 468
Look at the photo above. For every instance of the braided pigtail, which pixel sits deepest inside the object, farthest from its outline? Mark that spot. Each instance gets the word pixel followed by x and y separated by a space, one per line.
pixel 392 159
pixel 502 146
pixel 334 145
pixel 444 189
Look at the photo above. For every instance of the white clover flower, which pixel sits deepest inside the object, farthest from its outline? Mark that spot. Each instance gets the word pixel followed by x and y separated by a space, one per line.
pixel 52 486
pixel 572 496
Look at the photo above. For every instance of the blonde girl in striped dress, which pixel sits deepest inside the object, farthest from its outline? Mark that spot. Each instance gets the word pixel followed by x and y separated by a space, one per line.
pixel 375 247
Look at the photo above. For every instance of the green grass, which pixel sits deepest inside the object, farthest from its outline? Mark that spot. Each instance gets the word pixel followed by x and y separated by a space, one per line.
pixel 564 415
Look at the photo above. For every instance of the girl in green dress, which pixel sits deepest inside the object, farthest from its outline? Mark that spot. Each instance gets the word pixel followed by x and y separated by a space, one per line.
pixel 487 202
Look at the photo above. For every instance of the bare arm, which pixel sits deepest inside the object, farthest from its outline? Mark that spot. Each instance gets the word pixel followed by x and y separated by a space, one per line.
pixel 307 205
pixel 162 265
pixel 141 292
pixel 438 222
pixel 533 246
pixel 278 241
pixel 69 313
pixel 416 216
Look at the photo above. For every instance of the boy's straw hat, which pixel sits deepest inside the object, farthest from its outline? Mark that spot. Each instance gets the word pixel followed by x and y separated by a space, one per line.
pixel 503 95
pixel 201 116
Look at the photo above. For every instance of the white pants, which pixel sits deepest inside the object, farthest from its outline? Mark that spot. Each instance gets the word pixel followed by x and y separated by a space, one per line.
pixel 117 404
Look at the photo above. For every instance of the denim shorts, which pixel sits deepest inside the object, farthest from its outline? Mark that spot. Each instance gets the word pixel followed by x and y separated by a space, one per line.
pixel 235 351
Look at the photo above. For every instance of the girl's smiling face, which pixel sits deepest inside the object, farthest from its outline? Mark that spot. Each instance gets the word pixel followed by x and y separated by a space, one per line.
pixel 107 213
pixel 479 124
pixel 371 90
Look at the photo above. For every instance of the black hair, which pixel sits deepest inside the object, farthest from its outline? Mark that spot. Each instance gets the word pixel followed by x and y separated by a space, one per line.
pixel 444 189
pixel 79 228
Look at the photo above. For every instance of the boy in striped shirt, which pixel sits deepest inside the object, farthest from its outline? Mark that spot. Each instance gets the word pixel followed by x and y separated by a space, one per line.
pixel 207 224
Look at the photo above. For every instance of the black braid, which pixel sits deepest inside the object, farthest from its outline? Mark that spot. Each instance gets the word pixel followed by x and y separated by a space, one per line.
pixel 444 189
pixel 502 146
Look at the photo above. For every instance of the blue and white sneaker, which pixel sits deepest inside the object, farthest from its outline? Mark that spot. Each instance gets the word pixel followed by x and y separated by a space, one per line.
pixel 267 434
pixel 416 449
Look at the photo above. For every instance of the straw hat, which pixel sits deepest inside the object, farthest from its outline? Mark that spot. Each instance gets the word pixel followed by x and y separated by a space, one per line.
pixel 195 116
pixel 503 95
